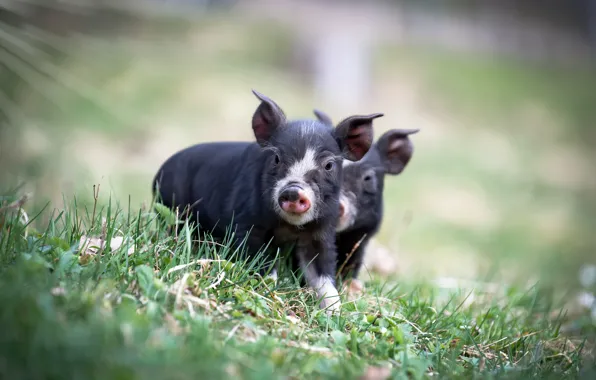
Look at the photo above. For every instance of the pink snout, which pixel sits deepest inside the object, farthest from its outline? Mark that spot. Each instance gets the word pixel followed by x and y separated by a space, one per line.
pixel 294 200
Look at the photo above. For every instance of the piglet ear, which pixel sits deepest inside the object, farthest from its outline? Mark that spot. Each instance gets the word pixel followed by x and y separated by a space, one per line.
pixel 355 135
pixel 323 117
pixel 396 149
pixel 266 119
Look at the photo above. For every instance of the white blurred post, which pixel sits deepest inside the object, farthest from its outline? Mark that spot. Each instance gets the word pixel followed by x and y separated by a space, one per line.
pixel 342 65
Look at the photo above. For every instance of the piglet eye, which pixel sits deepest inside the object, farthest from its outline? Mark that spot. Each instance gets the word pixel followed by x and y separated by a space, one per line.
pixel 276 159
pixel 330 165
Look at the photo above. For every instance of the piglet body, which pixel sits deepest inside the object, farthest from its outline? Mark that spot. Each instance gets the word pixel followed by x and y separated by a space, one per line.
pixel 283 188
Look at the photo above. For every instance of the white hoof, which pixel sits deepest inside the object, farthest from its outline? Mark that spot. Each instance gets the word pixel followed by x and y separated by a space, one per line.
pixel 330 302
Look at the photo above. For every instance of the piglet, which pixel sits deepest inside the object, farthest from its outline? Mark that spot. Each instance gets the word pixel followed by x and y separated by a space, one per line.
pixel 361 199
pixel 282 189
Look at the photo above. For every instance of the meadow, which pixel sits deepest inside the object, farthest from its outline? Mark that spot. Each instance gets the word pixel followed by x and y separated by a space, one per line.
pixel 498 193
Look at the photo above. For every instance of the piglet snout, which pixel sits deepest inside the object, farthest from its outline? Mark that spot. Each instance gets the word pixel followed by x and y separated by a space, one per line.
pixel 293 199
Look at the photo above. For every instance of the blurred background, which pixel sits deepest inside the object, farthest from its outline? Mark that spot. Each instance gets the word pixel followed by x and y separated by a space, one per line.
pixel 504 93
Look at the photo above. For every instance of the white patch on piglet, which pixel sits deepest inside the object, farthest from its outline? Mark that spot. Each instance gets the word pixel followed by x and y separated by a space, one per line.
pixel 296 174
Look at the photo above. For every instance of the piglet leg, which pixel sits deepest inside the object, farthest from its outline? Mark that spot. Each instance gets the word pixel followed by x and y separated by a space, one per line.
pixel 317 260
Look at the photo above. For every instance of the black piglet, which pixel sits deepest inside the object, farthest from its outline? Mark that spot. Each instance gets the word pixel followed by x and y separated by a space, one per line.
pixel 282 189
pixel 361 199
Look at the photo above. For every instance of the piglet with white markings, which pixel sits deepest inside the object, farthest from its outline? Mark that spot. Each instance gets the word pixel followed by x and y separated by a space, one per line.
pixel 284 188
pixel 361 199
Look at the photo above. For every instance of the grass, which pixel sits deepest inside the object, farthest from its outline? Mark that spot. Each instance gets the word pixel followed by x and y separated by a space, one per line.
pixel 176 310
pixel 146 95
pixel 154 305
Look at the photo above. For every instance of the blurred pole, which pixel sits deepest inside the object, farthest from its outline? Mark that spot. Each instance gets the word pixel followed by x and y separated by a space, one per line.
pixel 342 65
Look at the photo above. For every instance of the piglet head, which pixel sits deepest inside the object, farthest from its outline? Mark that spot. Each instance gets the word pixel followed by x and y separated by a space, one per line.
pixel 361 198
pixel 303 164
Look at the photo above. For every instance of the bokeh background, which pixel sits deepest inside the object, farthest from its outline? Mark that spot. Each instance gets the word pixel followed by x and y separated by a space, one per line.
pixel 504 93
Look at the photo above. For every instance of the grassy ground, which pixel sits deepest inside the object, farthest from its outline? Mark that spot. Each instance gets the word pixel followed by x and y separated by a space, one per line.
pixel 501 178
pixel 150 305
